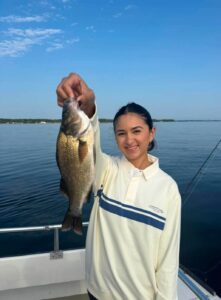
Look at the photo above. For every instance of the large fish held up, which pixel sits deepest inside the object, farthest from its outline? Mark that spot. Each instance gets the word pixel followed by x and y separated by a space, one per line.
pixel 76 159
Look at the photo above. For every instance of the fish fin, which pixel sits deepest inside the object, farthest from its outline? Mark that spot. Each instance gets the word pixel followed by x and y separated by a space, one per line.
pixel 82 150
pixel 67 222
pixel 77 225
pixel 72 222
pixel 63 187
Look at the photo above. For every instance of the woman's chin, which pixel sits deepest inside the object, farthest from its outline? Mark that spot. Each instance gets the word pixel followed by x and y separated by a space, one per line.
pixel 131 156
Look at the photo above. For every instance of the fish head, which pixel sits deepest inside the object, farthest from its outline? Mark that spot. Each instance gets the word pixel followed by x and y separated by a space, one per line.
pixel 71 119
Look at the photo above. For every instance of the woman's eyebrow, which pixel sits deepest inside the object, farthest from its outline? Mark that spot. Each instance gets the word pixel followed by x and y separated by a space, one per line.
pixel 139 126
pixel 120 130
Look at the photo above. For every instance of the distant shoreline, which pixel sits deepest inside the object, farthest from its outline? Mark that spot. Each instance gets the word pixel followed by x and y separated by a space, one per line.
pixel 102 120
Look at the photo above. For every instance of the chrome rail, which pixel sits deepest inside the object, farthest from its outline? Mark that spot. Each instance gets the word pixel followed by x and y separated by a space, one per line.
pixel 57 253
pixel 34 228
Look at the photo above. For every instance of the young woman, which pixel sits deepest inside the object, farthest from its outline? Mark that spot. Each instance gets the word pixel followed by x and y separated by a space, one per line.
pixel 132 247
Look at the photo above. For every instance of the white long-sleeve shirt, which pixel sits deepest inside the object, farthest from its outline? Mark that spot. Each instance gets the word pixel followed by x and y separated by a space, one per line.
pixel 132 247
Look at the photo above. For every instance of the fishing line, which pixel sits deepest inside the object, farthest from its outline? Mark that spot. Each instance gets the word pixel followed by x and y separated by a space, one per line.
pixel 191 186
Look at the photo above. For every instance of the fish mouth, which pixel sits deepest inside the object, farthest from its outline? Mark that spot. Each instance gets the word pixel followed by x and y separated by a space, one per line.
pixel 71 121
pixel 71 106
pixel 71 101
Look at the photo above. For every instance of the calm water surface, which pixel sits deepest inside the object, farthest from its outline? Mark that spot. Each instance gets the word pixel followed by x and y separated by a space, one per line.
pixel 29 189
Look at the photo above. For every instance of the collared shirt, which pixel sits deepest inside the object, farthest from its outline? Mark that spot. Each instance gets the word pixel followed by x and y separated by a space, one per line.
pixel 132 248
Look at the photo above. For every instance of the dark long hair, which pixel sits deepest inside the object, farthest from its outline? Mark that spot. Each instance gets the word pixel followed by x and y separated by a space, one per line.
pixel 133 107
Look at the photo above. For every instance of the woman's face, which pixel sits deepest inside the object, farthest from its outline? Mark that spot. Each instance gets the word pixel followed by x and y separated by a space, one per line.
pixel 133 136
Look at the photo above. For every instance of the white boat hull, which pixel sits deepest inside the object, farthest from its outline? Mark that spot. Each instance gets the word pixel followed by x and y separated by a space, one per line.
pixel 35 277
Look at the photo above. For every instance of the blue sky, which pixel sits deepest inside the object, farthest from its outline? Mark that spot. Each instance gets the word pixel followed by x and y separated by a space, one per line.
pixel 165 55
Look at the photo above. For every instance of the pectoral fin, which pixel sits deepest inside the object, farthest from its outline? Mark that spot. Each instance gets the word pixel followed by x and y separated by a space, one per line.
pixel 82 150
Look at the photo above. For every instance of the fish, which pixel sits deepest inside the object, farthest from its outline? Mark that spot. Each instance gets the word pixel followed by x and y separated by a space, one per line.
pixel 75 157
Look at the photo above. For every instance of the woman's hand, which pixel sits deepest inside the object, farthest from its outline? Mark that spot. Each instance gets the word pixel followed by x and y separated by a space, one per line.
pixel 74 86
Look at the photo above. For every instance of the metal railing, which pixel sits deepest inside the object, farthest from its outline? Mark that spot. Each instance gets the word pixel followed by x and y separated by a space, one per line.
pixel 57 253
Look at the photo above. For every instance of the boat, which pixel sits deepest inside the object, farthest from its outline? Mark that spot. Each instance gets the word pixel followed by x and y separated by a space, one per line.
pixel 60 275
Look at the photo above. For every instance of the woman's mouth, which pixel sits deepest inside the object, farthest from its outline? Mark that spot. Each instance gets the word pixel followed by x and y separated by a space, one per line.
pixel 132 148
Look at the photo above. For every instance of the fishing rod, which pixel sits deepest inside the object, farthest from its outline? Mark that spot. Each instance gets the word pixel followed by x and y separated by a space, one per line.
pixel 196 178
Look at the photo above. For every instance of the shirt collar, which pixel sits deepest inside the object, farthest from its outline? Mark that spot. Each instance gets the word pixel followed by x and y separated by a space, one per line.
pixel 147 172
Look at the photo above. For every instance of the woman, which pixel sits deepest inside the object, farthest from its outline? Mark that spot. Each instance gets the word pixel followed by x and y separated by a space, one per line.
pixel 132 247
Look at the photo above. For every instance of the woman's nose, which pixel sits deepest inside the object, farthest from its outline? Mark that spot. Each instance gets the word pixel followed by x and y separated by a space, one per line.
pixel 129 138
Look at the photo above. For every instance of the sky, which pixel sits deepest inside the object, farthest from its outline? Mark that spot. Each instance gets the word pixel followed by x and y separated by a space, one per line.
pixel 164 55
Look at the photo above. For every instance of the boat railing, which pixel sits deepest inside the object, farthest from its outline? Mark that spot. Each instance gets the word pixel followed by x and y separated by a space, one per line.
pixel 57 253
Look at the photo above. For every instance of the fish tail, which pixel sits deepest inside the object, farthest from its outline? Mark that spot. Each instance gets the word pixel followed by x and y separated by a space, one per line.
pixel 77 225
pixel 67 222
pixel 72 222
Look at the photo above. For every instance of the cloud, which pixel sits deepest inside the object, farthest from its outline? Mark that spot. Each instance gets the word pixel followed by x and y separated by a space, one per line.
pixel 23 39
pixel 73 41
pixel 126 8
pixel 47 4
pixel 38 32
pixel 67 4
pixel 130 6
pixel 16 47
pixel 118 15
pixel 90 28
pixel 18 19
pixel 55 46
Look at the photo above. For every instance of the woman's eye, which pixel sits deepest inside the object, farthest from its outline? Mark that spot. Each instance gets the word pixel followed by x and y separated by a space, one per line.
pixel 137 131
pixel 120 133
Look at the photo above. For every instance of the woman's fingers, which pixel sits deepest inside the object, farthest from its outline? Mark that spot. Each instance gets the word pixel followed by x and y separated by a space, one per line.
pixel 74 86
pixel 67 89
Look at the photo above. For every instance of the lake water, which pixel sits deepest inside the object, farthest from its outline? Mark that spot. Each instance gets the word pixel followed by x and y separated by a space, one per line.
pixel 29 189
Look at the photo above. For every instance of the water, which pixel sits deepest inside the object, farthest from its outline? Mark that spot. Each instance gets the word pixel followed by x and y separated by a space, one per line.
pixel 29 189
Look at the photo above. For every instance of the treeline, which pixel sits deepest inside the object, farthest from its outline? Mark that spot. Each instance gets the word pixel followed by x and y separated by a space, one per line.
pixel 43 121
pixel 154 120
pixel 28 121
pixel 163 120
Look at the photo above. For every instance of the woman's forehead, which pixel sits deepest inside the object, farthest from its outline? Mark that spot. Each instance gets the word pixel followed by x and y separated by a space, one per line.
pixel 131 119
